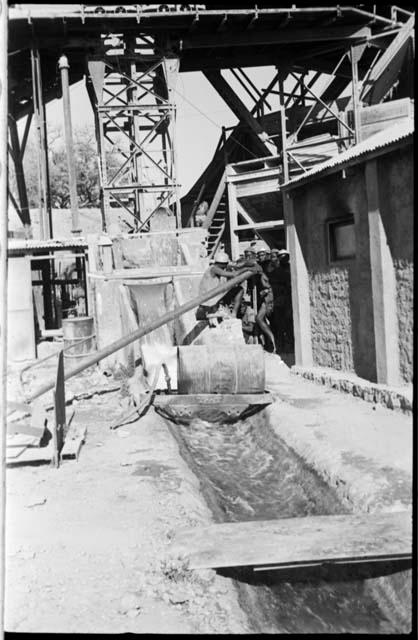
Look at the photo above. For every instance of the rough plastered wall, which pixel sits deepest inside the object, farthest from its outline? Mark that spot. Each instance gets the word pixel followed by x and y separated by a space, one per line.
pixel 396 188
pixel 340 292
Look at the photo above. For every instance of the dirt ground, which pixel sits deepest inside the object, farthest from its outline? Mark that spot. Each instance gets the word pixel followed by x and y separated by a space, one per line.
pixel 88 544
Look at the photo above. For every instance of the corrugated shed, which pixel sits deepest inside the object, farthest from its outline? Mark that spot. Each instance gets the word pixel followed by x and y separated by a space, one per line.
pixel 396 133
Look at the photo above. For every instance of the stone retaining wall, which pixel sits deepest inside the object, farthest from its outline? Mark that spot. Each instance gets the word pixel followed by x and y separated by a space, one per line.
pixel 400 399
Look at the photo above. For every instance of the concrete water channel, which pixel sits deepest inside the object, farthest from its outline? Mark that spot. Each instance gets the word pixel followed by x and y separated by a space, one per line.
pixel 247 472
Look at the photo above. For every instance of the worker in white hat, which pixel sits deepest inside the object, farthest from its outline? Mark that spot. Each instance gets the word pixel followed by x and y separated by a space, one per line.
pixel 217 274
pixel 263 254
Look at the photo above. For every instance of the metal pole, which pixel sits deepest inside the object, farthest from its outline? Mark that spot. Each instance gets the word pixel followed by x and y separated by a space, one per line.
pixel 139 333
pixel 3 282
pixel 64 66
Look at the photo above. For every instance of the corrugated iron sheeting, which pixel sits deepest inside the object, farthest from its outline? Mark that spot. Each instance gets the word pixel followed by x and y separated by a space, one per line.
pixel 15 245
pixel 382 139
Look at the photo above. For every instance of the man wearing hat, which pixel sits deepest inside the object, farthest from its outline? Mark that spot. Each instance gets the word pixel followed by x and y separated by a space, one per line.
pixel 263 255
pixel 215 275
pixel 279 276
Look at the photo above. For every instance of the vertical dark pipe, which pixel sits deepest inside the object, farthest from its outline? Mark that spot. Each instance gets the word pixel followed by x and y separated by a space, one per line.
pixel 64 66
pixel 3 279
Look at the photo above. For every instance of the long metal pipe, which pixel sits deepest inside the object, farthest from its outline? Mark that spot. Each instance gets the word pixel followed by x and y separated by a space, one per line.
pixel 72 179
pixel 140 333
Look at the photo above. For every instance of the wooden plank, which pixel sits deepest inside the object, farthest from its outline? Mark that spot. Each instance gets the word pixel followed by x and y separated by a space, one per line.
pixel 258 187
pixel 269 224
pixel 14 452
pixel 290 541
pixel 22 440
pixel 395 109
pixel 75 437
pixel 33 454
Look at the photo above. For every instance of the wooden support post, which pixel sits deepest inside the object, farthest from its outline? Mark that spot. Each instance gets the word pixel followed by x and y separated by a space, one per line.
pixel 3 282
pixel 72 177
pixel 300 289
pixel 383 286
pixel 233 218
pixel 355 54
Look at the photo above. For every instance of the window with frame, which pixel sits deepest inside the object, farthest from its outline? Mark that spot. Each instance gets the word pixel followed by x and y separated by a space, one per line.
pixel 341 239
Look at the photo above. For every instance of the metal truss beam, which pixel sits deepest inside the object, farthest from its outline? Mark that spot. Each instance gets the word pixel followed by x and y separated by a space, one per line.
pixel 239 109
pixel 276 36
pixel 385 72
pixel 17 150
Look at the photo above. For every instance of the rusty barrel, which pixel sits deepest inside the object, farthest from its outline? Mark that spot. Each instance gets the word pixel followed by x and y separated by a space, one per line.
pixel 227 368
pixel 79 334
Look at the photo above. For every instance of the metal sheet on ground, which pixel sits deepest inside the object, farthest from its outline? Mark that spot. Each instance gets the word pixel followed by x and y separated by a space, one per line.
pixel 311 539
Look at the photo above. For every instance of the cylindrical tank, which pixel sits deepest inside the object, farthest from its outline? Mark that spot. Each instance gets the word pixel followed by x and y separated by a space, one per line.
pixel 227 368
pixel 74 331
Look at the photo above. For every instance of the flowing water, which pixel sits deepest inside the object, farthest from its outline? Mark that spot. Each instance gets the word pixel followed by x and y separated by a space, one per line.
pixel 248 473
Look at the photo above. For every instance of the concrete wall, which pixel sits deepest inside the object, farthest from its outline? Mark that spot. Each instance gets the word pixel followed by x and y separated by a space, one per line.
pixel 20 312
pixel 396 187
pixel 340 292
pixel 341 302
pixel 160 249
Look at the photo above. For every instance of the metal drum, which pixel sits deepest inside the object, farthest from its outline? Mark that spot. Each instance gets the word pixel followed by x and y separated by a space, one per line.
pixel 80 333
pixel 227 368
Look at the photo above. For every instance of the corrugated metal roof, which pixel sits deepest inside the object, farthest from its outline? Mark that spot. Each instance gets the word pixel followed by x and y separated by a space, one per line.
pixel 19 244
pixel 385 138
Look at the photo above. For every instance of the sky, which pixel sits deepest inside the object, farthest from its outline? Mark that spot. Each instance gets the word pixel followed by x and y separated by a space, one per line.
pixel 201 113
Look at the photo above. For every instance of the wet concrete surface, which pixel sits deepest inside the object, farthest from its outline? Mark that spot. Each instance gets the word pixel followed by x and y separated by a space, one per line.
pixel 248 473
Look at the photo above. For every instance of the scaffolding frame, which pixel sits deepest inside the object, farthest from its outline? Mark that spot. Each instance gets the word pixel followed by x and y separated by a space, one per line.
pixel 135 115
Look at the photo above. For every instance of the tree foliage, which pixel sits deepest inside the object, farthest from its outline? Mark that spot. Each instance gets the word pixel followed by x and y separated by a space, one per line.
pixel 87 169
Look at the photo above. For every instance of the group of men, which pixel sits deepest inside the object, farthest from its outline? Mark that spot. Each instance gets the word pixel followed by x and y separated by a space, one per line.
pixel 262 302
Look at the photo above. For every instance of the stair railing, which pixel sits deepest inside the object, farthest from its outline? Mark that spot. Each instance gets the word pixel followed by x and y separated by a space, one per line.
pixel 215 202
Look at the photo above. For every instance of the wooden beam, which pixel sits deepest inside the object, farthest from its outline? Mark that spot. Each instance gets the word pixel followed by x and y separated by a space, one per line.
pixel 383 286
pixel 276 36
pixel 269 224
pixel 300 288
pixel 386 69
pixel 305 540
pixel 238 108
